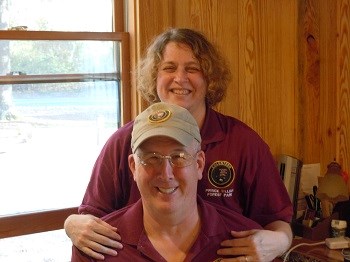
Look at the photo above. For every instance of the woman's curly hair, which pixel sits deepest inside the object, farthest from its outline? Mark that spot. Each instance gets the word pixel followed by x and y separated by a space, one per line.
pixel 213 65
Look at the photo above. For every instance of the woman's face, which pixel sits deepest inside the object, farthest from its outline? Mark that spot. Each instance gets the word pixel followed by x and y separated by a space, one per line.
pixel 180 79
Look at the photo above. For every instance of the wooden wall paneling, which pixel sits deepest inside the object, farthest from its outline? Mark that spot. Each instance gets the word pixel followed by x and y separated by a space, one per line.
pixel 277 45
pixel 289 97
pixel 343 86
pixel 147 19
pixel 266 118
pixel 227 40
pixel 328 83
pixel 248 34
pixel 218 21
pixel 267 67
pixel 309 66
pixel 154 16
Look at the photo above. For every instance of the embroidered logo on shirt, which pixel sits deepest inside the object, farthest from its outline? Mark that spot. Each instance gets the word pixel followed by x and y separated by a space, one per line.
pixel 159 116
pixel 221 174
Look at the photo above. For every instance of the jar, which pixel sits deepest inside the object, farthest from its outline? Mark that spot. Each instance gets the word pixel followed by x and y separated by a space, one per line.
pixel 346 254
pixel 338 228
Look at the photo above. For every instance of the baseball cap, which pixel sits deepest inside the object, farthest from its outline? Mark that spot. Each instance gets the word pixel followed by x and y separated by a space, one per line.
pixel 164 119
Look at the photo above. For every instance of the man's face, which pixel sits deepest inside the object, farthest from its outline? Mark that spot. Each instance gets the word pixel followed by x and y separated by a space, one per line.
pixel 180 79
pixel 167 189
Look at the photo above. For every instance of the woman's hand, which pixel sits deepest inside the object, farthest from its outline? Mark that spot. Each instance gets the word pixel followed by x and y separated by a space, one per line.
pixel 254 245
pixel 92 236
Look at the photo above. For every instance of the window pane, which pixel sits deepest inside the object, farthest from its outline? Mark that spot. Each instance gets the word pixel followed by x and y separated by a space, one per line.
pixel 59 57
pixel 58 15
pixel 57 110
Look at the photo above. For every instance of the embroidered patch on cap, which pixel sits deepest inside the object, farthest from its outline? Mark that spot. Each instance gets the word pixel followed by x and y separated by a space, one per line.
pixel 159 116
pixel 221 174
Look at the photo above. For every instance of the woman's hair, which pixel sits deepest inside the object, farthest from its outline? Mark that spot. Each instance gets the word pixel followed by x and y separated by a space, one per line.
pixel 213 65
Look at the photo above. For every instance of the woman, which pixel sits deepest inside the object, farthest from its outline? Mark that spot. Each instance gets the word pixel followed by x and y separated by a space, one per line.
pixel 182 67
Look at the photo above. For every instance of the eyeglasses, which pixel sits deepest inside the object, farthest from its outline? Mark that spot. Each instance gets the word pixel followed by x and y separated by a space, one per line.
pixel 181 159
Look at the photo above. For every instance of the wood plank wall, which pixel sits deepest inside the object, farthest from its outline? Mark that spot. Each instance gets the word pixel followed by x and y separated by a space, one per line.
pixel 342 85
pixel 290 65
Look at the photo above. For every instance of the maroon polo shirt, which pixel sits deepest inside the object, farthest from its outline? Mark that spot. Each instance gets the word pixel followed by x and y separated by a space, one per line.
pixel 240 173
pixel 216 223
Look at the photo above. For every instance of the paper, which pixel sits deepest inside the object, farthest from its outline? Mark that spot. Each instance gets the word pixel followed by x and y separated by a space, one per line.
pixel 309 178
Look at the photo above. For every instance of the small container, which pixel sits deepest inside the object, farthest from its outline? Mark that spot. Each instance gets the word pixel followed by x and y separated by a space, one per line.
pixel 346 254
pixel 338 228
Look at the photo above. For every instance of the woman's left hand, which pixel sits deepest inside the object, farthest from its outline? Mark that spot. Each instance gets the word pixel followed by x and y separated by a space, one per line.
pixel 254 245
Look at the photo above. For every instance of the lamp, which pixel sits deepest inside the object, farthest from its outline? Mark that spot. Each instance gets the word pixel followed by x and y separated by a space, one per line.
pixel 332 188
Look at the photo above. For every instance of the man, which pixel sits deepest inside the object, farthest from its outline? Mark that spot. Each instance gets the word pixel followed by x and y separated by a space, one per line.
pixel 170 222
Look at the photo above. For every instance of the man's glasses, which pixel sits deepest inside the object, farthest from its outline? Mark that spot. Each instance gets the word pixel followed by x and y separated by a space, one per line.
pixel 181 159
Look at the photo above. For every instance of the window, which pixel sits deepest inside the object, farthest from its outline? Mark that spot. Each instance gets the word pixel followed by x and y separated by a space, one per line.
pixel 63 91
pixel 60 102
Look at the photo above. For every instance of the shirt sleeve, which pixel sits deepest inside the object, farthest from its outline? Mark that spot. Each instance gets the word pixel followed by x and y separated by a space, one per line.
pixel 110 182
pixel 268 199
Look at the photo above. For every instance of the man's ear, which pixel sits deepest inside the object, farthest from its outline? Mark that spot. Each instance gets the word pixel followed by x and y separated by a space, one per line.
pixel 200 163
pixel 132 164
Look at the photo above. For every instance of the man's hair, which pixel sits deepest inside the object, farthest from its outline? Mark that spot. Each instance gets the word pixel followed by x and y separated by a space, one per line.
pixel 213 65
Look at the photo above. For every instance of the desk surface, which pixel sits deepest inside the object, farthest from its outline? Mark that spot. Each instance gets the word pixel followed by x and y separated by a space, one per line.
pixel 314 253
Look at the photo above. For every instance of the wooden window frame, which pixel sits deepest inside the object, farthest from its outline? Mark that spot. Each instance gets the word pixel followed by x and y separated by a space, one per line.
pixel 36 222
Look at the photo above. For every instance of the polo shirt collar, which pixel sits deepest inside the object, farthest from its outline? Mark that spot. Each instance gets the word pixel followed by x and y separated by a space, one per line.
pixel 130 225
pixel 134 216
pixel 132 229
pixel 212 130
pixel 208 215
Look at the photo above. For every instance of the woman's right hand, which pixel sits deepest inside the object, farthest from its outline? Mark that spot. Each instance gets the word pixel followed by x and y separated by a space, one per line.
pixel 92 236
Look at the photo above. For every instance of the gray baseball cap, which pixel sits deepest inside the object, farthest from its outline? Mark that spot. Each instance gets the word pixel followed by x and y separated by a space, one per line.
pixel 164 119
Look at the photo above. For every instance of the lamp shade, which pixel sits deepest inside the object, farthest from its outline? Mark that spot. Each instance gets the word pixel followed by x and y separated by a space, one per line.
pixel 332 188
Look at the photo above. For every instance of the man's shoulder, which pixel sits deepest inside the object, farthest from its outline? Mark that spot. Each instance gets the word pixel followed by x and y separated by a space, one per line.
pixel 127 215
pixel 232 219
pixel 115 216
